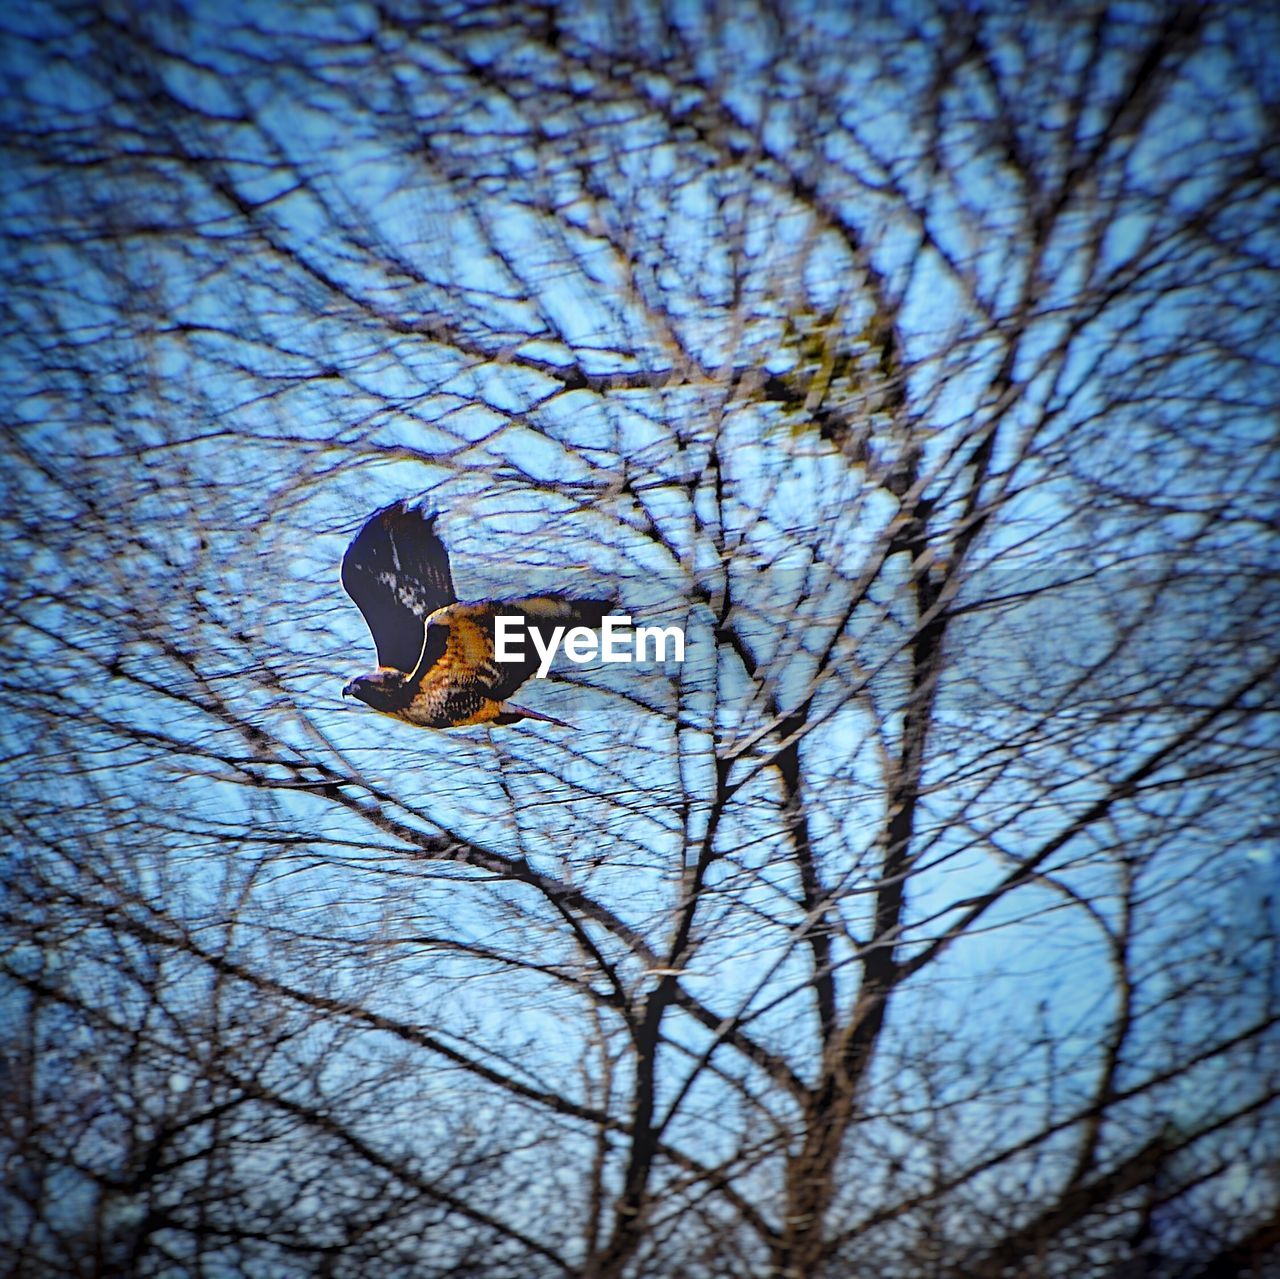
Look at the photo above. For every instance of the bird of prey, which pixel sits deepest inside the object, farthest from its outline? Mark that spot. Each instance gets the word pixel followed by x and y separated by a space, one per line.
pixel 436 661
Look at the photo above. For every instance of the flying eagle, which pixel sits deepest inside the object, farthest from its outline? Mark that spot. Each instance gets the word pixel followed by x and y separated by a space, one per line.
pixel 436 660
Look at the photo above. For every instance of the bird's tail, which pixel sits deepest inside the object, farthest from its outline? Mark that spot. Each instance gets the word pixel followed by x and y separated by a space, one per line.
pixel 511 714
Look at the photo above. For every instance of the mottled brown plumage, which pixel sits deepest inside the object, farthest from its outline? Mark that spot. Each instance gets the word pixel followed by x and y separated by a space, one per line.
pixel 436 662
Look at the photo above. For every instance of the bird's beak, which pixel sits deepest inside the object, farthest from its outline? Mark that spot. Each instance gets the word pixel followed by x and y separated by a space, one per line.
pixel 348 689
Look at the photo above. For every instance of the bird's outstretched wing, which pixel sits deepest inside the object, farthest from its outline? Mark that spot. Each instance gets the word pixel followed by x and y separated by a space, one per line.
pixel 471 656
pixel 546 612
pixel 397 571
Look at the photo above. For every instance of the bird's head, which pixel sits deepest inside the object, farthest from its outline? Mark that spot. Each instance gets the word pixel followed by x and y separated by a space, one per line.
pixel 384 689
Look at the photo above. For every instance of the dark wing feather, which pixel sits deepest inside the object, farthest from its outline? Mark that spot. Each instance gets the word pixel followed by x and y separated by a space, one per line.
pixel 397 571
pixel 546 612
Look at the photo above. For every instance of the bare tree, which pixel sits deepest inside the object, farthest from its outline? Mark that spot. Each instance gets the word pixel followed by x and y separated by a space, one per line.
pixel 918 359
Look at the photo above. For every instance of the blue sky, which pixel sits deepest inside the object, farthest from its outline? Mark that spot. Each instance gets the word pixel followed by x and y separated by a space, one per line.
pixel 344 262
